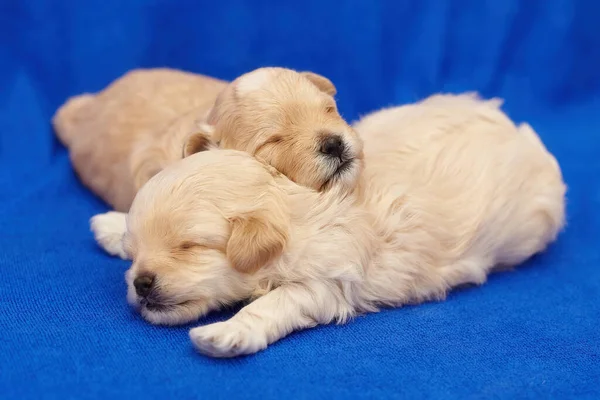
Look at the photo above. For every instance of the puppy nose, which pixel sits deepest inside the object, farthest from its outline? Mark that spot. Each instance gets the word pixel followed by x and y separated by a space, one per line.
pixel 333 146
pixel 143 285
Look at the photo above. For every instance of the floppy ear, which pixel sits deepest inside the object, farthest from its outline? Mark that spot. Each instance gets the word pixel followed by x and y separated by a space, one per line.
pixel 324 84
pixel 256 239
pixel 198 141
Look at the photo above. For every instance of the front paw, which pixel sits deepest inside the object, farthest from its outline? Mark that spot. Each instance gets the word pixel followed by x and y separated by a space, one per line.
pixel 108 230
pixel 227 339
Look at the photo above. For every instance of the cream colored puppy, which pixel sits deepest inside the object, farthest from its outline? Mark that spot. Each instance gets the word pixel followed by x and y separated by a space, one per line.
pixel 475 174
pixel 120 137
pixel 220 227
pixel 289 120
pixel 147 119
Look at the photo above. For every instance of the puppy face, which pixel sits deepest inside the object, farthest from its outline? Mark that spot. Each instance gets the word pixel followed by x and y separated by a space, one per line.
pixel 289 120
pixel 199 231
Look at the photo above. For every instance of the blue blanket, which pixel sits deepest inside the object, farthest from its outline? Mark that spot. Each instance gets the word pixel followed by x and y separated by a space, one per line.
pixel 65 328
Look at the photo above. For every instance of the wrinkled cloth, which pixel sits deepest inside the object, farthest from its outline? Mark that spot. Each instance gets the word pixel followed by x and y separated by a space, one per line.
pixel 66 330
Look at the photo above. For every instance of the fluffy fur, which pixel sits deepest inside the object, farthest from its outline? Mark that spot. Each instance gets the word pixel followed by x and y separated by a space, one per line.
pixel 451 190
pixel 148 119
pixel 120 137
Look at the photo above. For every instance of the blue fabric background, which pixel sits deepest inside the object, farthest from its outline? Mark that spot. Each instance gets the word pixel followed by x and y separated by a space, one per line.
pixel 65 328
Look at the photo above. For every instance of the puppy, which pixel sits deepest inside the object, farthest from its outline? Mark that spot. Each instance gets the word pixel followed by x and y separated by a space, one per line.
pixel 147 119
pixel 123 135
pixel 476 174
pixel 443 210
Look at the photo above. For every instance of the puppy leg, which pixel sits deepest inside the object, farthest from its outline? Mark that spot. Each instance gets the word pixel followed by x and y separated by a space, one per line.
pixel 270 318
pixel 109 229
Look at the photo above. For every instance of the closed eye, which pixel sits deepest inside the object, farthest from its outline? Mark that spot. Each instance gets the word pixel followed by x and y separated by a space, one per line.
pixel 190 248
pixel 330 109
pixel 272 140
pixel 190 245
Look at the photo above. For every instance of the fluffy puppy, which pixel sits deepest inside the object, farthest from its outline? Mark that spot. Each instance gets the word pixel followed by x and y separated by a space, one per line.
pixel 476 174
pixel 291 121
pixel 147 119
pixel 219 227
pixel 120 137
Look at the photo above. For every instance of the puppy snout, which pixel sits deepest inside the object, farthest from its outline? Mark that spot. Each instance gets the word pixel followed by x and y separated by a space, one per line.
pixel 143 285
pixel 333 146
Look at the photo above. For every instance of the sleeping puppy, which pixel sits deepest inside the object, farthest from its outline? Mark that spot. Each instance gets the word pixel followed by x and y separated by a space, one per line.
pixel 147 119
pixel 220 226
pixel 120 137
pixel 289 120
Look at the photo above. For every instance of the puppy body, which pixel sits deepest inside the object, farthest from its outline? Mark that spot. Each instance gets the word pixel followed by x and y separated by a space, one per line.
pixel 481 180
pixel 147 119
pixel 464 192
pixel 121 136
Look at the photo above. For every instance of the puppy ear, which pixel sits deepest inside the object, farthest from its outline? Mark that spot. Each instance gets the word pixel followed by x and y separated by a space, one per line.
pixel 256 239
pixel 324 84
pixel 198 141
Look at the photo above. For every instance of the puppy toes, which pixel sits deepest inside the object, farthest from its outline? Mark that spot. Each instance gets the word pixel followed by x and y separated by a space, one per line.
pixel 108 230
pixel 227 339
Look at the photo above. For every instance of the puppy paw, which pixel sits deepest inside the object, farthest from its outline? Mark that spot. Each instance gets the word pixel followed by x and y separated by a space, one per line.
pixel 227 339
pixel 108 230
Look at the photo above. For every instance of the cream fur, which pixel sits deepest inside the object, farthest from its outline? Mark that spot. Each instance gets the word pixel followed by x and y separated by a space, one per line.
pixel 451 190
pixel 108 231
pixel 281 117
pixel 118 138
pixel 147 119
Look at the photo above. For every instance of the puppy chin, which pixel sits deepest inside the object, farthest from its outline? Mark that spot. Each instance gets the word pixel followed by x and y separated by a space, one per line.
pixel 344 178
pixel 348 179
pixel 173 315
pixel 176 314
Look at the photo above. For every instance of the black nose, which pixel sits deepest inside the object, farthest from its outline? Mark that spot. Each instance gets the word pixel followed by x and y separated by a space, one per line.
pixel 143 285
pixel 333 146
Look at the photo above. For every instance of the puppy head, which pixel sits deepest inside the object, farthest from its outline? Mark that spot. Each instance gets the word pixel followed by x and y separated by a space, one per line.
pixel 200 232
pixel 290 120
